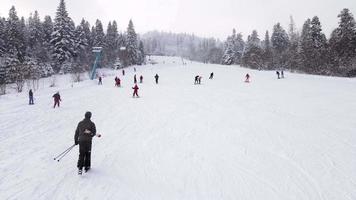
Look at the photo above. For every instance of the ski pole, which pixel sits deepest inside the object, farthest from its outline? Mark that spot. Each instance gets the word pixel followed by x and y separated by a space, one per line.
pixel 65 151
pixel 65 154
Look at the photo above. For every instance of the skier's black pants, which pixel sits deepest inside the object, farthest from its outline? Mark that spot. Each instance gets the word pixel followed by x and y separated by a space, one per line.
pixel 31 100
pixel 84 154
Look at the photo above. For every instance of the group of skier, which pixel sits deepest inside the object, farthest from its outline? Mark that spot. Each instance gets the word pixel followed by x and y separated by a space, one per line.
pixel 86 129
pixel 280 74
pixel 117 82
pixel 197 78
pixel 135 79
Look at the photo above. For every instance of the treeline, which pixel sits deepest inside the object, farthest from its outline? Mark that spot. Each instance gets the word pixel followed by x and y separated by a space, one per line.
pixel 207 50
pixel 309 51
pixel 31 48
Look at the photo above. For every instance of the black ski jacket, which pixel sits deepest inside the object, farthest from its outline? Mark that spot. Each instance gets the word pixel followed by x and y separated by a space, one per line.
pixel 86 130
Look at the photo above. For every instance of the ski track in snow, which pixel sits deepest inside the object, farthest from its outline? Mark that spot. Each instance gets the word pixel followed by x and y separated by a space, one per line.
pixel 288 139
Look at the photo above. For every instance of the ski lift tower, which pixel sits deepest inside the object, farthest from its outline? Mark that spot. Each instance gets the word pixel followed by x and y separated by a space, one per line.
pixel 97 51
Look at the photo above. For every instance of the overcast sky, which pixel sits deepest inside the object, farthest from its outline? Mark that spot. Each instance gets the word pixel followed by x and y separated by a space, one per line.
pixel 207 18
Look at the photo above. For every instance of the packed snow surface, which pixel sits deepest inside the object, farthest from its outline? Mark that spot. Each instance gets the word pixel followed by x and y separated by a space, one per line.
pixel 270 139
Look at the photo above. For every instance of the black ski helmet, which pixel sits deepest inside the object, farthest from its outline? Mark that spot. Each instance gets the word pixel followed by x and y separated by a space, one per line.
pixel 87 115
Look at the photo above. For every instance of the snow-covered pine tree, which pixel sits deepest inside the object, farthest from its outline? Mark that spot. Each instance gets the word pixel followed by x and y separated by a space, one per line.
pixel 293 55
pixel 62 37
pixel 141 51
pixel 253 55
pixel 267 52
pixel 214 51
pixel 111 40
pixel 47 27
pixel 15 42
pixel 229 53
pixel 36 35
pixel 24 38
pixel 280 44
pixel 16 49
pixel 306 47
pixel 86 59
pixel 132 45
pixel 98 35
pixel 92 36
pixel 239 48
pixel 2 56
pixel 81 45
pixel 343 43
pixel 2 75
pixel 319 51
pixel 15 71
pixel 2 36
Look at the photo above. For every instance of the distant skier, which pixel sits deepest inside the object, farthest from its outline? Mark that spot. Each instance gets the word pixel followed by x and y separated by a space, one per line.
pixel 211 75
pixel 277 72
pixel 247 80
pixel 141 79
pixel 199 80
pixel 100 81
pixel 135 80
pixel 282 74
pixel 196 79
pixel 83 136
pixel 156 78
pixel 30 96
pixel 57 99
pixel 123 72
pixel 134 69
pixel 117 82
pixel 135 88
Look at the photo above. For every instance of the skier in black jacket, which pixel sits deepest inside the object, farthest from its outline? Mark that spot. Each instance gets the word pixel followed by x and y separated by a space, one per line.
pixel 84 133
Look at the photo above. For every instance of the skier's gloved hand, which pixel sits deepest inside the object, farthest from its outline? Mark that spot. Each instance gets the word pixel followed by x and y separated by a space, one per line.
pixel 76 142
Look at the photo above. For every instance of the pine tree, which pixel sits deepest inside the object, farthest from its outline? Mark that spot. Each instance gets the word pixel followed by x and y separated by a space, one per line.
pixel 319 47
pixel 292 54
pixel 98 35
pixel 141 51
pixel 267 52
pixel 15 43
pixel 239 47
pixel 47 28
pixel 16 49
pixel 343 42
pixel 81 47
pixel 253 54
pixel 2 36
pixel 62 37
pixel 132 45
pixel 35 38
pixel 112 48
pixel 234 47
pixel 280 44
pixel 228 57
pixel 306 47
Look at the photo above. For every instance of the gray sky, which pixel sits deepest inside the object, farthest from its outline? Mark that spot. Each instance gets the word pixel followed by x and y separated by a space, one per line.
pixel 206 18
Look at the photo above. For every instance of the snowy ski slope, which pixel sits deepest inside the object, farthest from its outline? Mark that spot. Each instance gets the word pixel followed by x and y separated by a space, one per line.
pixel 288 139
